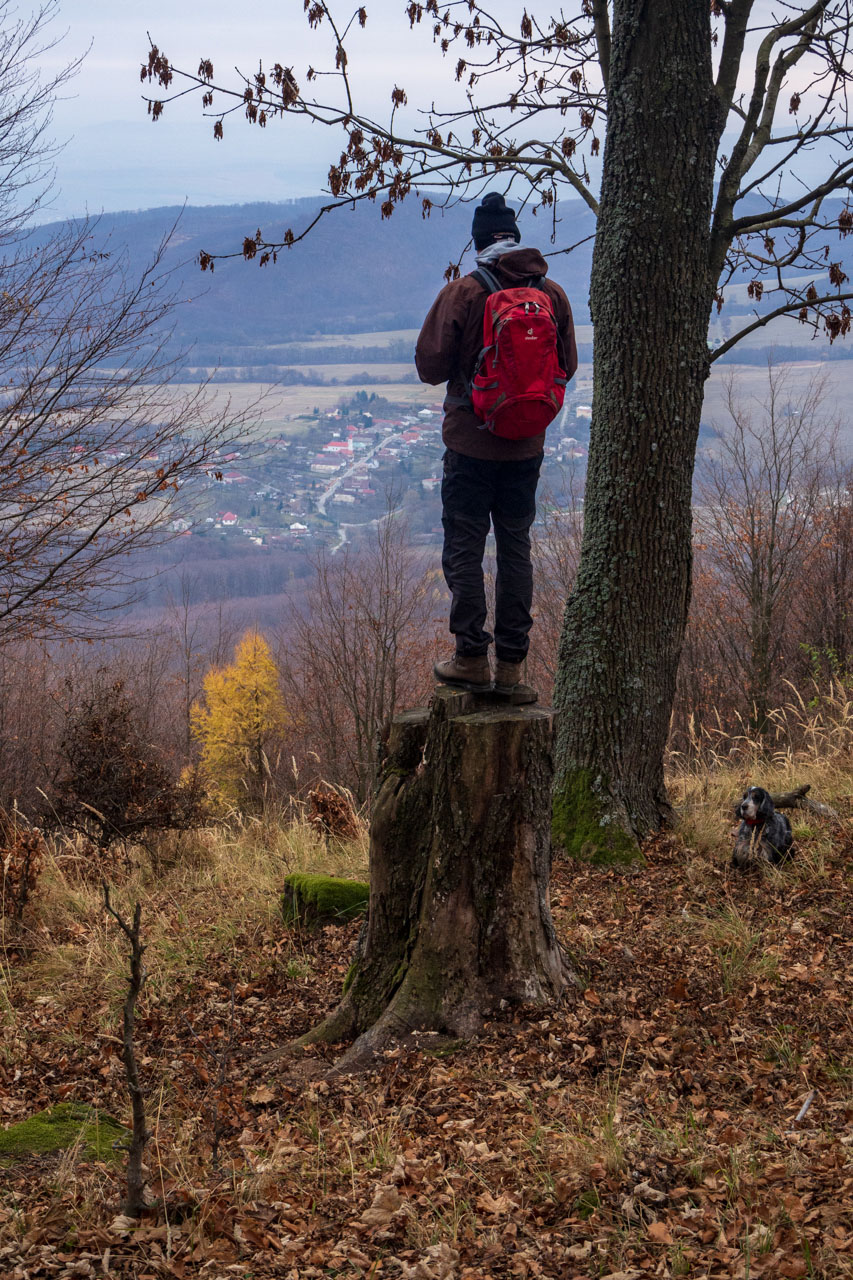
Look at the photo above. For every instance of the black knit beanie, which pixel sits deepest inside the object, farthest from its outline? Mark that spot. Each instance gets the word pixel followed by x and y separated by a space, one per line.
pixel 492 218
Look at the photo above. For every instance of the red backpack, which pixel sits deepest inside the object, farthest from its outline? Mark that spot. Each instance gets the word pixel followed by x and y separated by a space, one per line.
pixel 518 383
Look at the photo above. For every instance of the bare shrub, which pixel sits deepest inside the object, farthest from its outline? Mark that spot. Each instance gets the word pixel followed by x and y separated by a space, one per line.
pixel 760 522
pixel 331 812
pixel 114 788
pixel 362 648
pixel 22 853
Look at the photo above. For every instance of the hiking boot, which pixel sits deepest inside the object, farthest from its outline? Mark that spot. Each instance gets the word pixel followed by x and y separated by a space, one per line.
pixel 469 672
pixel 508 683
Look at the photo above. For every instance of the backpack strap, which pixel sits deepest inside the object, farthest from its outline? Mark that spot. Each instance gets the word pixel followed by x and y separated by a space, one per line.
pixel 490 283
pixel 487 280
pixel 538 282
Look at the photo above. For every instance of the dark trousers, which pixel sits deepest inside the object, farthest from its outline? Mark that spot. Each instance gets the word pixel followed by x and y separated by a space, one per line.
pixel 475 492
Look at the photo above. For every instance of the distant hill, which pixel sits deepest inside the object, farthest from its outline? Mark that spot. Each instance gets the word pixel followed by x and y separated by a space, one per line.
pixel 354 273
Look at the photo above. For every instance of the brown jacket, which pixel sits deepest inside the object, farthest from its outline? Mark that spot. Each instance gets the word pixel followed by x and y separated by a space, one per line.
pixel 452 337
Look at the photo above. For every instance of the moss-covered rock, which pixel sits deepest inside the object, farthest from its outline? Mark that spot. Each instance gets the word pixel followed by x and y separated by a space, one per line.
pixel 308 899
pixel 68 1124
pixel 582 825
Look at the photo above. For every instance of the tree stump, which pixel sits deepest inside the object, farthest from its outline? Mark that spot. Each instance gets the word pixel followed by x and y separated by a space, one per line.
pixel 459 922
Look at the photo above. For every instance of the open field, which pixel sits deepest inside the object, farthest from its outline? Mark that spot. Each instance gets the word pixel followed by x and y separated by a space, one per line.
pixel 752 383
pixel 381 339
pixel 784 331
pixel 351 376
pixel 652 1124
pixel 277 406
pixel 353 373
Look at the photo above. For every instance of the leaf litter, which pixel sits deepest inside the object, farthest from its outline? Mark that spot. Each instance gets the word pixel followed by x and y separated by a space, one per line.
pixel 652 1125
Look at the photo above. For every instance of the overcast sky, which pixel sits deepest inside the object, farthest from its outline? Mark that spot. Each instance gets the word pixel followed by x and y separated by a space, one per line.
pixel 115 158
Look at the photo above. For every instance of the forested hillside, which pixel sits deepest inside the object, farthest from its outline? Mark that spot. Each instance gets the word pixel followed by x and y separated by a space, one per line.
pixel 357 273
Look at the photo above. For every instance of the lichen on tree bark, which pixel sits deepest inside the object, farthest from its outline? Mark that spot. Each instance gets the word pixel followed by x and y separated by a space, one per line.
pixel 625 619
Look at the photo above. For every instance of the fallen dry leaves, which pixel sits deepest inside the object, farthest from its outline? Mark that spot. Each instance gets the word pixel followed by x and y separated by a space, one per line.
pixel 646 1127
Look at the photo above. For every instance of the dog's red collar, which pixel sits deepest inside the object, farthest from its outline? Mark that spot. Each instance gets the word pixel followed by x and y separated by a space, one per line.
pixel 752 822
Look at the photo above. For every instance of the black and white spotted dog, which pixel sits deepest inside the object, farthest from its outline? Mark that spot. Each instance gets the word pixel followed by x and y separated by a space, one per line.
pixel 763 835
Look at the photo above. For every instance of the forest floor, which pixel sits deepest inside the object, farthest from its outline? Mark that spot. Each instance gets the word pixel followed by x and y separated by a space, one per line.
pixel 648 1126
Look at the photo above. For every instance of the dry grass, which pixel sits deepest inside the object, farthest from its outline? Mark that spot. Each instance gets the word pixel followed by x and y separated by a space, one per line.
pixel 814 730
pixel 564 1136
pixel 207 893
pixel 810 741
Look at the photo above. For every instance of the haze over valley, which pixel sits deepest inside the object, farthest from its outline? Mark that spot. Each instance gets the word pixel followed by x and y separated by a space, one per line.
pixel 323 342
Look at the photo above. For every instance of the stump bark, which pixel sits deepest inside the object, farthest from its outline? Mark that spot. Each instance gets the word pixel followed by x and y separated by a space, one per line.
pixel 459 923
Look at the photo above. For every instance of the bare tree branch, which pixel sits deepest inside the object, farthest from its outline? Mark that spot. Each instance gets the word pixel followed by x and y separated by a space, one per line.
pixel 787 308
pixel 601 19
pixel 736 16
pixel 540 125
pixel 94 447
pixel 135 1203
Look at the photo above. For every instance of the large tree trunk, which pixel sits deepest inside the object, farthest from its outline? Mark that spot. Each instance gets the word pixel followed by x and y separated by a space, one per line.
pixel 459 920
pixel 625 620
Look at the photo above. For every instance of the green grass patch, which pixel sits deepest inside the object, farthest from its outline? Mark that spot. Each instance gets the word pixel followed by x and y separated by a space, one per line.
pixel 587 1203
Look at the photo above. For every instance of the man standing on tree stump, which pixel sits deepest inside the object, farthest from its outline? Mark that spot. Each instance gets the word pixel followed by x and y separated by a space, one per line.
pixel 493 457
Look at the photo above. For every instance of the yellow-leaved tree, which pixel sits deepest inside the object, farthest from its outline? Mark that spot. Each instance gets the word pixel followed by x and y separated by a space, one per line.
pixel 240 721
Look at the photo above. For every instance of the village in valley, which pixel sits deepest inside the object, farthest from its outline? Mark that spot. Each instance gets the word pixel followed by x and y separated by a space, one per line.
pixel 331 471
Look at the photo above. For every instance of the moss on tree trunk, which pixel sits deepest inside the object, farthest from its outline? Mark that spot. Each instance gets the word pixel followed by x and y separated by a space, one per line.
pixel 459 920
pixel 585 827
